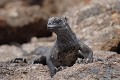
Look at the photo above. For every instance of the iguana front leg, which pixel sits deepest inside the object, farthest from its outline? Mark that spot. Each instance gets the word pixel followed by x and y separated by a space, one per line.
pixel 86 52
pixel 53 69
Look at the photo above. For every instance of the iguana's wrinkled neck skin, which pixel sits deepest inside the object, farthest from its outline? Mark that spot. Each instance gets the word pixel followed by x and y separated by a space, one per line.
pixel 66 39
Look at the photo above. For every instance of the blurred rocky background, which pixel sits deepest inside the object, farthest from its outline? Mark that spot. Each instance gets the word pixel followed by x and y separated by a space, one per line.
pixel 23 29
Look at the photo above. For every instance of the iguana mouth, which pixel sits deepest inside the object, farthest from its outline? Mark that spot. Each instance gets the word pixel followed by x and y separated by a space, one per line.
pixel 51 27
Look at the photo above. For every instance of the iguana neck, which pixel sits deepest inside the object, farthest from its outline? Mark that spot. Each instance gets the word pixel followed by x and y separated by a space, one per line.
pixel 66 38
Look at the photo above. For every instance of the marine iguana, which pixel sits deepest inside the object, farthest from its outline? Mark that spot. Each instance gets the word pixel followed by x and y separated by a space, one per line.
pixel 67 48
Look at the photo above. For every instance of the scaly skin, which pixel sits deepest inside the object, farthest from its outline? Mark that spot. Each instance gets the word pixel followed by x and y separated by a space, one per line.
pixel 67 49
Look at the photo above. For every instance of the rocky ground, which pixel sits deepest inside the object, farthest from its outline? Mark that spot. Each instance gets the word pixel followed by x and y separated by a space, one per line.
pixel 96 23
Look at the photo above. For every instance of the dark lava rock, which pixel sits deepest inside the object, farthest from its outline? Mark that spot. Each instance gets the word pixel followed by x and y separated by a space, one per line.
pixel 19 23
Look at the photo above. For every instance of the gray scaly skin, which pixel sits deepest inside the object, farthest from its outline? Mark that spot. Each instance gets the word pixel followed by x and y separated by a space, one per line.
pixel 67 49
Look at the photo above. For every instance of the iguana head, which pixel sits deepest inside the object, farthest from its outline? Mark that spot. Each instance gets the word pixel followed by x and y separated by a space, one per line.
pixel 57 24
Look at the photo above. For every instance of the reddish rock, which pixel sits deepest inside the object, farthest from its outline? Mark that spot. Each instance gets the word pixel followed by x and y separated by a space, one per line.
pixel 97 24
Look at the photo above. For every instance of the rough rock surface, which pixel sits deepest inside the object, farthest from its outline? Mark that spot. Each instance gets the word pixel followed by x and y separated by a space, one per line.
pixel 108 69
pixel 23 72
pixel 93 71
pixel 9 52
pixel 98 23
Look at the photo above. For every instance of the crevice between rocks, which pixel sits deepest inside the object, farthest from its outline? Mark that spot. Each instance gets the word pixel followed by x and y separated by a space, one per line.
pixel 116 48
pixel 24 33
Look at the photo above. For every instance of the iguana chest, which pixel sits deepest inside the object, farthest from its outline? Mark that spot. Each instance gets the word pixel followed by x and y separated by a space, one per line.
pixel 66 58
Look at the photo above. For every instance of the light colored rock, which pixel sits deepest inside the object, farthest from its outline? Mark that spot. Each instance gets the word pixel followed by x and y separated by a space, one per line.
pixel 97 24
pixel 9 52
